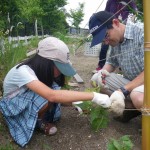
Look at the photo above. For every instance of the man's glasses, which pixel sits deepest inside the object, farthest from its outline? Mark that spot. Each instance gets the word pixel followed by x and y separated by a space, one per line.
pixel 106 35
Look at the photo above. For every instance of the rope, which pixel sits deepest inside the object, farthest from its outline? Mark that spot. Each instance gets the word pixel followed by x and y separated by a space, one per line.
pixel 147 46
pixel 95 11
pixel 144 111
pixel 128 51
pixel 99 6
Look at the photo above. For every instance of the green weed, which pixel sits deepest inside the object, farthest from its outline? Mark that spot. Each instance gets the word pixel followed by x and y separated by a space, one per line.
pixel 98 115
pixel 124 143
pixel 7 147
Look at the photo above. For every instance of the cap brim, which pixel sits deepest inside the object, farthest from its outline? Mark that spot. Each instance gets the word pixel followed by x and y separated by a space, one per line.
pixel 65 68
pixel 98 37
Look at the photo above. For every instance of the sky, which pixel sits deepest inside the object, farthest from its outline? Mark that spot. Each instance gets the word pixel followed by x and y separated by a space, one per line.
pixel 90 7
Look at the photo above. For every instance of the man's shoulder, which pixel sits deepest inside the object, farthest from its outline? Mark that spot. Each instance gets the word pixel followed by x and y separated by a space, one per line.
pixel 133 29
pixel 137 24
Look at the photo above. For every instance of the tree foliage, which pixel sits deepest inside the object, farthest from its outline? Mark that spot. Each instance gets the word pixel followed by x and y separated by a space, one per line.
pixel 30 9
pixel 54 18
pixel 77 15
pixel 49 14
pixel 8 7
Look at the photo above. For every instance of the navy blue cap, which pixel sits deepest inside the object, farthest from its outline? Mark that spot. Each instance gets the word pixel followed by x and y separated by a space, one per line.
pixel 98 24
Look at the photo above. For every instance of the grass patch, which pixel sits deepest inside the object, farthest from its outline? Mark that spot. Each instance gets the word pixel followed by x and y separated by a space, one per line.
pixel 7 147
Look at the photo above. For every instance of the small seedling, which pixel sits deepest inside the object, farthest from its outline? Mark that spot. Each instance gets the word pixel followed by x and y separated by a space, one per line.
pixel 98 115
pixel 124 143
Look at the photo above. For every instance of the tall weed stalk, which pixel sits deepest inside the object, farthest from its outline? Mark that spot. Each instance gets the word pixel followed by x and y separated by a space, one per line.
pixel 13 55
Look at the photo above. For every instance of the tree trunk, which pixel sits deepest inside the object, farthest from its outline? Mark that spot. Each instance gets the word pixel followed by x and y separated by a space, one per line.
pixel 36 30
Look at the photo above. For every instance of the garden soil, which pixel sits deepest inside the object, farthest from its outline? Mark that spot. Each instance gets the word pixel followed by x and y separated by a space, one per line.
pixel 74 130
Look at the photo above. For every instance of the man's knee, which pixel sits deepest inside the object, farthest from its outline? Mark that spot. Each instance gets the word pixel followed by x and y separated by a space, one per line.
pixel 137 99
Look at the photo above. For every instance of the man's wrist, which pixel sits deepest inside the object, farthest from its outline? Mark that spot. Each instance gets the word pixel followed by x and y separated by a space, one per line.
pixel 124 91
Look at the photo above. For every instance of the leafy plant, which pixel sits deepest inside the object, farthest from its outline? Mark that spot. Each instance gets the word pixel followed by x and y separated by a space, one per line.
pixel 124 143
pixel 98 115
pixel 98 118
pixel 83 41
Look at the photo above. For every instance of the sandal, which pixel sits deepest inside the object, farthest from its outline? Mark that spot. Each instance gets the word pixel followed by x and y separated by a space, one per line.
pixel 48 128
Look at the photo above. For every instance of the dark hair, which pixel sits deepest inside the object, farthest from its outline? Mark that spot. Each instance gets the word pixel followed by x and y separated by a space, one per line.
pixel 44 69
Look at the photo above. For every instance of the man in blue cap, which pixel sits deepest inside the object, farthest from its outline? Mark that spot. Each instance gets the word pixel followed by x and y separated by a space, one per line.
pixel 127 52
pixel 122 9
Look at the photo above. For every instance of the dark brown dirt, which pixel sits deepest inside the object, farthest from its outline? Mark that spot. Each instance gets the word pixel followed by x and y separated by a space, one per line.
pixel 74 131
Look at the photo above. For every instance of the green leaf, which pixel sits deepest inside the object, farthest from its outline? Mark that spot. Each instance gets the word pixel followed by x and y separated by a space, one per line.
pixel 94 113
pixel 111 146
pixel 94 89
pixel 96 124
pixel 124 143
pixel 117 145
pixel 98 118
pixel 125 138
pixel 85 106
pixel 98 115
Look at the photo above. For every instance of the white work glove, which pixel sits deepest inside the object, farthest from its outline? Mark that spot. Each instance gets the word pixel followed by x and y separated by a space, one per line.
pixel 75 104
pixel 101 99
pixel 94 80
pixel 101 78
pixel 98 79
pixel 117 103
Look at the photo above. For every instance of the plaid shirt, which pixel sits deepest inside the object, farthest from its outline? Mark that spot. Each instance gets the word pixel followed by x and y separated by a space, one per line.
pixel 129 55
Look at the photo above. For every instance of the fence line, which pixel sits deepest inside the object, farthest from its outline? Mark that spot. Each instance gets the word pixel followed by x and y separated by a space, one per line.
pixel 25 38
pixel 17 39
